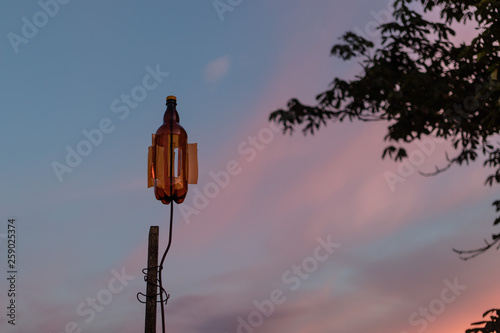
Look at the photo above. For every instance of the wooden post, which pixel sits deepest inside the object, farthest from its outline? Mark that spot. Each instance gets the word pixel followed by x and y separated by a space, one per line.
pixel 152 281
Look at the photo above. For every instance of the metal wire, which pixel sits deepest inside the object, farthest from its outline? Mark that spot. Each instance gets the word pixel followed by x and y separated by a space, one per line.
pixel 160 268
pixel 171 222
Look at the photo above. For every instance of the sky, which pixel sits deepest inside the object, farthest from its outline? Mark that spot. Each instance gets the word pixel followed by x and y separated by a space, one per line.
pixel 298 234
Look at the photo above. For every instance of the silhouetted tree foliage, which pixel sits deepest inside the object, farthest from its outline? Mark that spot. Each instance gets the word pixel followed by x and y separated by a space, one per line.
pixel 490 326
pixel 422 84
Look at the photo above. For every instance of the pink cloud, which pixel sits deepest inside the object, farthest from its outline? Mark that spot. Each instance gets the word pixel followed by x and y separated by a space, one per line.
pixel 217 69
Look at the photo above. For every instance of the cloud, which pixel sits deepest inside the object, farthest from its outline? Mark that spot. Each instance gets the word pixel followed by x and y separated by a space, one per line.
pixel 217 69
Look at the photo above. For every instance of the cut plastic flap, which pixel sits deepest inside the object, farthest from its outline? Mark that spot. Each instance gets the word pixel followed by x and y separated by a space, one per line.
pixel 156 166
pixel 151 166
pixel 151 176
pixel 160 167
pixel 192 157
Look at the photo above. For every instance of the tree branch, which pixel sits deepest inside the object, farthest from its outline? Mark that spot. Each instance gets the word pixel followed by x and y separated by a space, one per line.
pixel 466 255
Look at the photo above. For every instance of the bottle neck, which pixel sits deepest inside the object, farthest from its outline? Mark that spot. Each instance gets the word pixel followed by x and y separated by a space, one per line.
pixel 171 114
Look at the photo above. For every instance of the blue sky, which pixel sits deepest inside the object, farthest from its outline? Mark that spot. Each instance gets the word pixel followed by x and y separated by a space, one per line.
pixel 76 232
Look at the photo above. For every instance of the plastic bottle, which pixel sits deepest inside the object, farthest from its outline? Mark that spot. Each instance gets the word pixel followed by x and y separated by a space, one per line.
pixel 171 141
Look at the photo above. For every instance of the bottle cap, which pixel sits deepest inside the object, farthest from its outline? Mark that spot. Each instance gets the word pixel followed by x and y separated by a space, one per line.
pixel 172 97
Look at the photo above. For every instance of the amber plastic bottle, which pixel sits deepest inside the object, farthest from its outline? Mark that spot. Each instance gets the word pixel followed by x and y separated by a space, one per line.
pixel 172 138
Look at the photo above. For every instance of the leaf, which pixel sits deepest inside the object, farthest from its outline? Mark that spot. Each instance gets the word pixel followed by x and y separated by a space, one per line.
pixel 497 220
pixel 492 310
pixel 401 154
pixel 389 150
pixel 480 55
